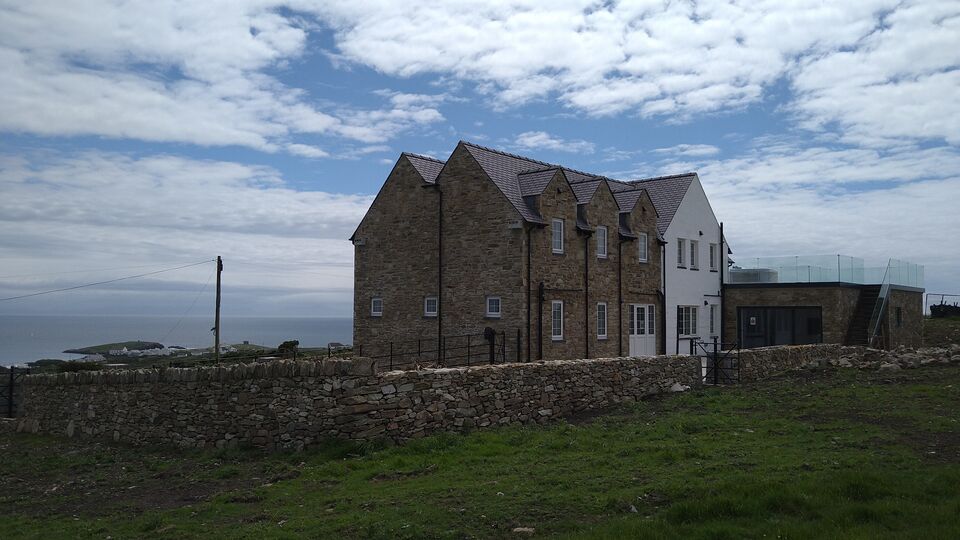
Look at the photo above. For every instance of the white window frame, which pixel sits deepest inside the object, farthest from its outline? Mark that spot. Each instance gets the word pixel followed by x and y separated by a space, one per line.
pixel 601 242
pixel 426 306
pixel 694 254
pixel 556 334
pixel 556 233
pixel 681 253
pixel 373 306
pixel 713 319
pixel 602 320
pixel 643 246
pixel 687 320
pixel 493 314
pixel 714 256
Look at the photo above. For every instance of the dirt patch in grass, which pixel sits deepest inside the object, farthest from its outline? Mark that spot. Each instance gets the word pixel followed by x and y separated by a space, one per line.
pixel 85 478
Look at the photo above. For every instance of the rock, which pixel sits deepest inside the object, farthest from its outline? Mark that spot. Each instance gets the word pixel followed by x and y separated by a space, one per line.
pixel 524 530
pixel 888 366
pixel 845 362
pixel 677 387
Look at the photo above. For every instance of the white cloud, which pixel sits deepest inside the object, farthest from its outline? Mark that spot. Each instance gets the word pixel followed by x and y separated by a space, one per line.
pixel 783 199
pixel 658 58
pixel 691 150
pixel 306 150
pixel 95 210
pixel 194 72
pixel 540 140
pixel 900 82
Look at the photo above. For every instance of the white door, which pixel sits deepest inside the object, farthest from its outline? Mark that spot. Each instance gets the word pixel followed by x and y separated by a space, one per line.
pixel 642 326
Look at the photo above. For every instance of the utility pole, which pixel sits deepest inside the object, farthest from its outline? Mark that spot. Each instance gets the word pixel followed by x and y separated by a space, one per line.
pixel 216 327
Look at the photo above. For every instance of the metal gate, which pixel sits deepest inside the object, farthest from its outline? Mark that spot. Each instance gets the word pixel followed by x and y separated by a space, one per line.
pixel 719 365
pixel 9 390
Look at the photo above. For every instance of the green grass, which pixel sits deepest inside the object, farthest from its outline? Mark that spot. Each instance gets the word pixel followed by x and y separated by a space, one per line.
pixel 828 455
pixel 941 332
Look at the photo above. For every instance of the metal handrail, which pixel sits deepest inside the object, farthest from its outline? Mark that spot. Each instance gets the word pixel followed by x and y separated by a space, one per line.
pixel 879 306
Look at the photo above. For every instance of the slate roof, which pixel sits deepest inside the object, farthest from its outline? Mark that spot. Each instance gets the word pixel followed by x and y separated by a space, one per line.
pixel 428 167
pixel 521 179
pixel 666 192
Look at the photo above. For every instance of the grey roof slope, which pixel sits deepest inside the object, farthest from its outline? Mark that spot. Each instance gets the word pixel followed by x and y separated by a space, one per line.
pixel 666 192
pixel 428 167
pixel 520 178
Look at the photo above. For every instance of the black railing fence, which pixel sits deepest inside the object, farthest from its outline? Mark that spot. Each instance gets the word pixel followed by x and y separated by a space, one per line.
pixel 719 362
pixel 9 389
pixel 487 347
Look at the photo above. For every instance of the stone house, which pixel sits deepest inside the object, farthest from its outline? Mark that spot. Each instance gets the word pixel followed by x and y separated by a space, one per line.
pixel 563 263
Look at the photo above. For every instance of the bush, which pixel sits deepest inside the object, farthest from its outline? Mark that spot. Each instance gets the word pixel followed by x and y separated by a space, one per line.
pixel 75 365
pixel 289 348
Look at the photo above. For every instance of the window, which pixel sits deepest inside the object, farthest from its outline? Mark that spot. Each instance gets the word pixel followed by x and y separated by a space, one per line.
pixel 642 246
pixel 601 242
pixel 493 306
pixel 602 320
pixel 430 306
pixel 556 333
pixel 557 231
pixel 694 254
pixel 376 306
pixel 899 314
pixel 681 252
pixel 713 319
pixel 713 257
pixel 687 320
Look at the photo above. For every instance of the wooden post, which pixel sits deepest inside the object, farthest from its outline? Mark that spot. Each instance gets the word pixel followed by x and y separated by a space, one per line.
pixel 216 323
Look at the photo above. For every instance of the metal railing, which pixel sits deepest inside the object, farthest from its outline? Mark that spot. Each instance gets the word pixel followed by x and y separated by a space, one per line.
pixel 488 347
pixel 878 308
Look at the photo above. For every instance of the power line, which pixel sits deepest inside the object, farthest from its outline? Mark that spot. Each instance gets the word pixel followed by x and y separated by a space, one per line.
pixel 103 282
pixel 189 309
pixel 81 271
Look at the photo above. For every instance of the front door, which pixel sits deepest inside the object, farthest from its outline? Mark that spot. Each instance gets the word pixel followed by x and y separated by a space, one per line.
pixel 642 326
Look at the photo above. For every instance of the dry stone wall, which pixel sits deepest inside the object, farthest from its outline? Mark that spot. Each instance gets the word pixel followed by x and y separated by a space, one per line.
pixel 287 404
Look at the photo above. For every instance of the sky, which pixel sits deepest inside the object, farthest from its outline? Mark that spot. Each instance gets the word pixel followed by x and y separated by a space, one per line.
pixel 144 136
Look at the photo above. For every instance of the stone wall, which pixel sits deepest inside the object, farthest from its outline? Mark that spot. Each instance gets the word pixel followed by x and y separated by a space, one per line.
pixel 908 331
pixel 288 404
pixel 762 362
pixel 293 404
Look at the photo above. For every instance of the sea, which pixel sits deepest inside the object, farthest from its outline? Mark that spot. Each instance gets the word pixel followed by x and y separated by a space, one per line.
pixel 24 338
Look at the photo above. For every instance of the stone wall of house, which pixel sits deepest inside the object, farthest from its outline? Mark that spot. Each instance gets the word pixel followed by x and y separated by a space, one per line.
pixel 483 256
pixel 838 303
pixel 287 404
pixel 397 262
pixel 908 330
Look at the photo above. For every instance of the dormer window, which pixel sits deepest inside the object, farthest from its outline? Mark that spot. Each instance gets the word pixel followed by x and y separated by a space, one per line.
pixel 642 244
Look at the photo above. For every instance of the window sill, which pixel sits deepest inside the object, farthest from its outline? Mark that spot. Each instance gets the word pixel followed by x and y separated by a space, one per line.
pixel 601 338
pixel 556 339
pixel 557 252
pixel 683 267
pixel 695 269
pixel 493 317
pixel 601 256
pixel 429 316
pixel 376 316
pixel 714 271
pixel 643 261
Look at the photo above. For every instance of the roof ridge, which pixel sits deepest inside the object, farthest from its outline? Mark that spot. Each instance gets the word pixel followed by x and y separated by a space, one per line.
pixel 503 153
pixel 663 177
pixel 421 156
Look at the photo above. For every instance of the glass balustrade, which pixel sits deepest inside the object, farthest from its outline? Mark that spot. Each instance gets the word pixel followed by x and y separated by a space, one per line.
pixel 824 269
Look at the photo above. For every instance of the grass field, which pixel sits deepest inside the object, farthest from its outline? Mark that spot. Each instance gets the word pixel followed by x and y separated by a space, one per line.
pixel 813 454
pixel 941 332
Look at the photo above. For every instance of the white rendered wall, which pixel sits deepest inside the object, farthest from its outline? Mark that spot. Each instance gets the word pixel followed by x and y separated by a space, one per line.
pixel 693 287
